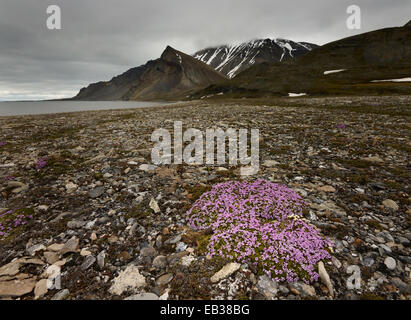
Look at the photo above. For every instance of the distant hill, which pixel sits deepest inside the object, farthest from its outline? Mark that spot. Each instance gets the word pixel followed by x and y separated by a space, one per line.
pixel 347 66
pixel 170 77
pixel 231 60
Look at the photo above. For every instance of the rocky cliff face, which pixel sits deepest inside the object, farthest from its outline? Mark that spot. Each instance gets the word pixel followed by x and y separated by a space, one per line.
pixel 231 60
pixel 170 77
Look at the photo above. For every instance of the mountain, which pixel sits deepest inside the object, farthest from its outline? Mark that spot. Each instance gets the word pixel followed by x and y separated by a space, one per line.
pixel 408 24
pixel 348 66
pixel 231 60
pixel 171 77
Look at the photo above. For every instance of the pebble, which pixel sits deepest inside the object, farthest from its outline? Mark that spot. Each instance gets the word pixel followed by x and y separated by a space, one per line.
pixel 164 279
pixel 225 272
pixel 267 287
pixel 96 192
pixel 128 280
pixel 390 263
pixel 88 262
pixel 61 295
pixel 325 278
pixel 390 204
pixel 143 296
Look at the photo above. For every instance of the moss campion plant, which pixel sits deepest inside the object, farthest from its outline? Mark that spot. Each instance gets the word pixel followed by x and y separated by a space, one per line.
pixel 259 222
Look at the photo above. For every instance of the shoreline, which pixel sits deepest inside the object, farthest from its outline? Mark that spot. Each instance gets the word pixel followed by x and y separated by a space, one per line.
pixel 157 104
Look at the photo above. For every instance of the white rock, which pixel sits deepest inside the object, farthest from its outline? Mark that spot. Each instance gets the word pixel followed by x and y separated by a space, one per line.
pixel 390 204
pixel 225 272
pixel 154 206
pixel 187 260
pixel 41 289
pixel 129 279
pixel 70 187
pixel 325 278
pixel 267 287
pixel 270 163
pixel 143 296
pixel 147 167
pixel 390 263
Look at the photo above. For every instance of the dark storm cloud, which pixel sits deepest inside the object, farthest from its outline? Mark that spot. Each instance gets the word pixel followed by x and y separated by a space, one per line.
pixel 103 38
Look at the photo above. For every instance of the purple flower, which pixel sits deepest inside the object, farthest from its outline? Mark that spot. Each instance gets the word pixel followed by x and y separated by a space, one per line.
pixel 341 126
pixel 12 219
pixel 2 143
pixel 41 163
pixel 260 222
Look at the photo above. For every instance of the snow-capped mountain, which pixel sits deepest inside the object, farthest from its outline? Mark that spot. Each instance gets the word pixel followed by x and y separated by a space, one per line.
pixel 231 60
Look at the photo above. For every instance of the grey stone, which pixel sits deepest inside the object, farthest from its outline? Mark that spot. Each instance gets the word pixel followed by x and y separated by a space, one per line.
pixel 160 262
pixel 148 252
pixel 76 224
pixel 61 295
pixel 164 279
pixel 129 279
pixel 267 287
pixel 390 263
pixel 33 249
pixel 70 246
pixel 88 262
pixel 100 259
pixel 96 192
pixel 390 204
pixel 143 296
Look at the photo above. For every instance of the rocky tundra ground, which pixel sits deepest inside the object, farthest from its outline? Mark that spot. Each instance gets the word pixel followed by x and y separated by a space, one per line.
pixel 80 195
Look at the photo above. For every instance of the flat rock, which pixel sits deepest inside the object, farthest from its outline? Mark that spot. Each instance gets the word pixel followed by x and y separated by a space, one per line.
pixel 225 272
pixel 88 262
pixel 76 224
pixel 36 248
pixel 70 246
pixel 17 288
pixel 40 289
pixel 326 189
pixel 128 280
pixel 375 159
pixel 154 206
pixel 56 247
pixel 51 257
pixel 143 296
pixel 159 262
pixel 390 263
pixel 61 295
pixel 325 278
pixel 270 163
pixel 267 287
pixel 101 259
pixel 147 167
pixel 390 204
pixel 96 192
pixel 164 279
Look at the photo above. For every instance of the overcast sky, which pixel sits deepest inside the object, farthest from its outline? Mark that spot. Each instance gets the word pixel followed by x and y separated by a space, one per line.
pixel 100 39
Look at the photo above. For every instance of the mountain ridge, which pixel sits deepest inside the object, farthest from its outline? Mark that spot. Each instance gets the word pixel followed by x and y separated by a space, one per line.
pixel 170 77
pixel 230 60
pixel 346 66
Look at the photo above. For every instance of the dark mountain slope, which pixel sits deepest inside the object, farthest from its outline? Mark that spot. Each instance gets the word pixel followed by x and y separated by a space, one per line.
pixel 170 77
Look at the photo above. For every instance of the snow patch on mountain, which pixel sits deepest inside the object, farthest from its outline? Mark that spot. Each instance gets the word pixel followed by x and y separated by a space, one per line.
pixel 232 59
